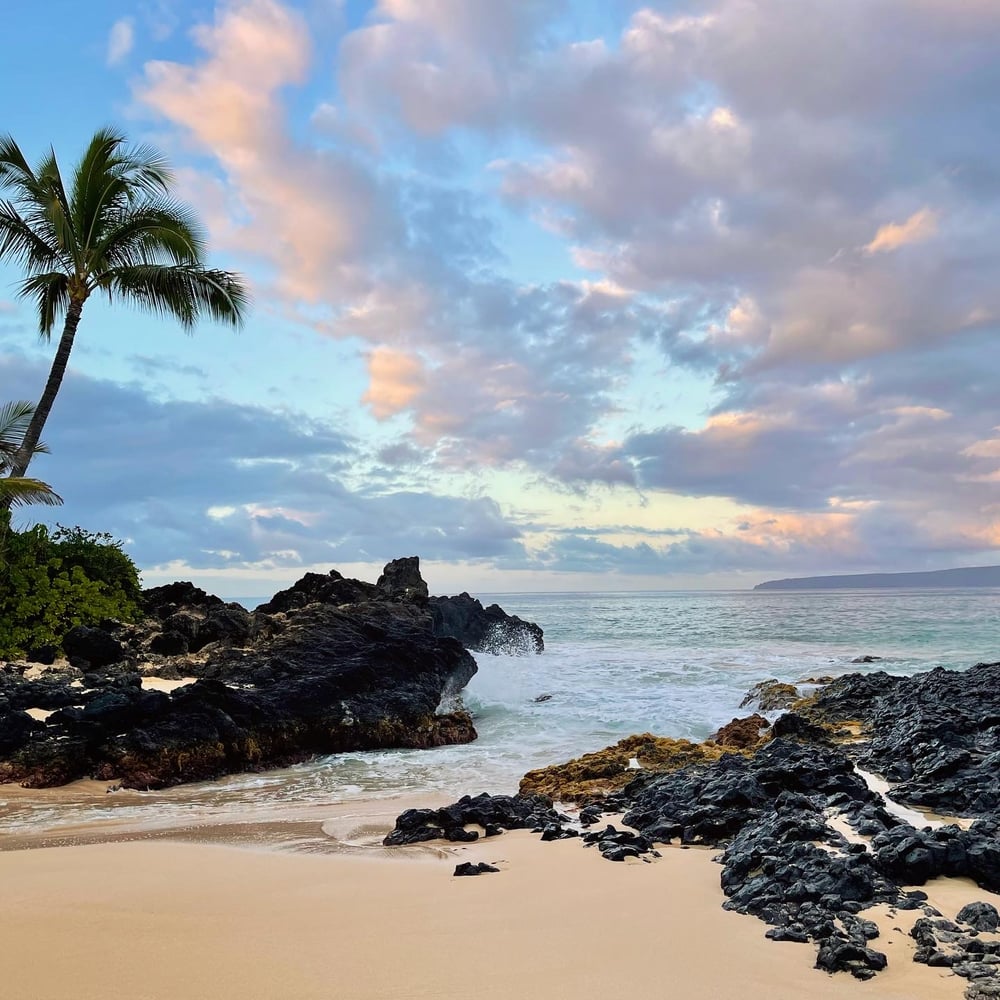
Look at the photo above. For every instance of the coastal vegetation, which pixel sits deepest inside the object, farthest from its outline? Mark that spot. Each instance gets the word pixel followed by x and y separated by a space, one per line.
pixel 110 227
pixel 52 581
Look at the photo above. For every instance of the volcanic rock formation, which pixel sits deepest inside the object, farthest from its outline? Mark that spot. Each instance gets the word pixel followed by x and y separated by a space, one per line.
pixel 326 666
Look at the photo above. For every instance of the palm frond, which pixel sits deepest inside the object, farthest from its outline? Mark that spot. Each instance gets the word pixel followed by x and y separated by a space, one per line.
pixel 90 188
pixel 57 205
pixel 50 290
pixel 19 491
pixel 111 177
pixel 14 168
pixel 147 170
pixel 184 291
pixel 24 243
pixel 159 232
pixel 14 420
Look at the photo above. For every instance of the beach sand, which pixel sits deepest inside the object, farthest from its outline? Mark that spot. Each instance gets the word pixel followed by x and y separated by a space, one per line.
pixel 190 918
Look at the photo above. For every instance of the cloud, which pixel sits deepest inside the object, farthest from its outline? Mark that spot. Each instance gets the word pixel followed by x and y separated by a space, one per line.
pixel 396 380
pixel 214 484
pixel 313 215
pixel 901 479
pixel 121 40
pixel 681 163
pixel 920 226
pixel 438 63
pixel 790 204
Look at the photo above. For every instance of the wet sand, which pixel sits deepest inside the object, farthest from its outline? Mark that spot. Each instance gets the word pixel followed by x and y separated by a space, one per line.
pixel 314 908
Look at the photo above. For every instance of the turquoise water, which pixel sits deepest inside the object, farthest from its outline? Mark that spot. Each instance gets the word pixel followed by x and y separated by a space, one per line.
pixel 674 663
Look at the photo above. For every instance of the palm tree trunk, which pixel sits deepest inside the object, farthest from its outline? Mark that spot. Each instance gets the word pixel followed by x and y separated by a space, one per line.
pixel 24 453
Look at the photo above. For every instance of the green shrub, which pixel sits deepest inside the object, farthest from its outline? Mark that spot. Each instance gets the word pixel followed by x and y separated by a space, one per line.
pixel 50 582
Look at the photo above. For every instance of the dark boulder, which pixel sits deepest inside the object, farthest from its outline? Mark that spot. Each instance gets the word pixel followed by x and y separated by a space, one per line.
pixel 796 727
pixel 496 812
pixel 317 588
pixel 485 630
pixel 230 624
pixel 401 580
pixel 161 602
pixel 169 643
pixel 191 627
pixel 92 647
pixel 16 730
pixel 471 868
pixel 45 655
pixel 617 845
pixel 837 954
pixel 979 916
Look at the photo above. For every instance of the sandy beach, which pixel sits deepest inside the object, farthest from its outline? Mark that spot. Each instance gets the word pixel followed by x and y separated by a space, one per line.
pixel 197 917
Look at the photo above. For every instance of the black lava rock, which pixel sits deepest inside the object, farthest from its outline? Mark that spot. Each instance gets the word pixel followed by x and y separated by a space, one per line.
pixel 492 812
pixel 979 916
pixel 486 630
pixel 94 646
pixel 470 868
pixel 837 954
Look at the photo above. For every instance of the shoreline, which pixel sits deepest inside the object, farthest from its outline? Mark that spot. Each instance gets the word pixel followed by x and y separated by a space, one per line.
pixel 269 824
pixel 312 905
pixel 194 917
pixel 210 891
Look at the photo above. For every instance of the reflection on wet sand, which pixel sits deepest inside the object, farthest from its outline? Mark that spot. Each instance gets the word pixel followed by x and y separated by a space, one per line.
pixel 92 812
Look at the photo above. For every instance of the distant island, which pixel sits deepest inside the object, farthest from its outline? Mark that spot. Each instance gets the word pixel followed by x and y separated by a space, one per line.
pixel 968 576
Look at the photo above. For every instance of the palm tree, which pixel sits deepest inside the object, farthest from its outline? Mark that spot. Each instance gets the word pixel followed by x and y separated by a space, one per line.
pixel 17 490
pixel 114 230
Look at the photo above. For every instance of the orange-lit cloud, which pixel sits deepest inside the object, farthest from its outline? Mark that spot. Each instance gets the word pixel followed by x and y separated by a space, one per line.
pixel 918 228
pixel 834 533
pixel 396 380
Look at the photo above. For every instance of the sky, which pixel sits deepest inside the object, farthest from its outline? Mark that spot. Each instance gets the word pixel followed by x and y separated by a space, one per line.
pixel 555 294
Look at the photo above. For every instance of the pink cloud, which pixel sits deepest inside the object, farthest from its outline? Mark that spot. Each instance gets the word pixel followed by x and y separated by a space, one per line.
pixel 396 379
pixel 918 228
pixel 833 533
pixel 312 215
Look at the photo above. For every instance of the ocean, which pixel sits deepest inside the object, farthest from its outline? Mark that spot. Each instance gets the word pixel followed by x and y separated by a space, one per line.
pixel 671 663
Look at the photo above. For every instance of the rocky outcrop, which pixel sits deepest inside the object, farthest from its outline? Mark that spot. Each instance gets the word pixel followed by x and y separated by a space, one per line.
pixel 806 845
pixel 317 588
pixel 401 579
pixel 328 665
pixel 771 696
pixel 492 813
pixel 596 775
pixel 182 618
pixel 485 630
pixel 935 735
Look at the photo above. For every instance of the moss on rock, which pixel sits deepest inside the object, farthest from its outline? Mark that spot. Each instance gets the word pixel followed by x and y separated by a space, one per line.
pixel 595 775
